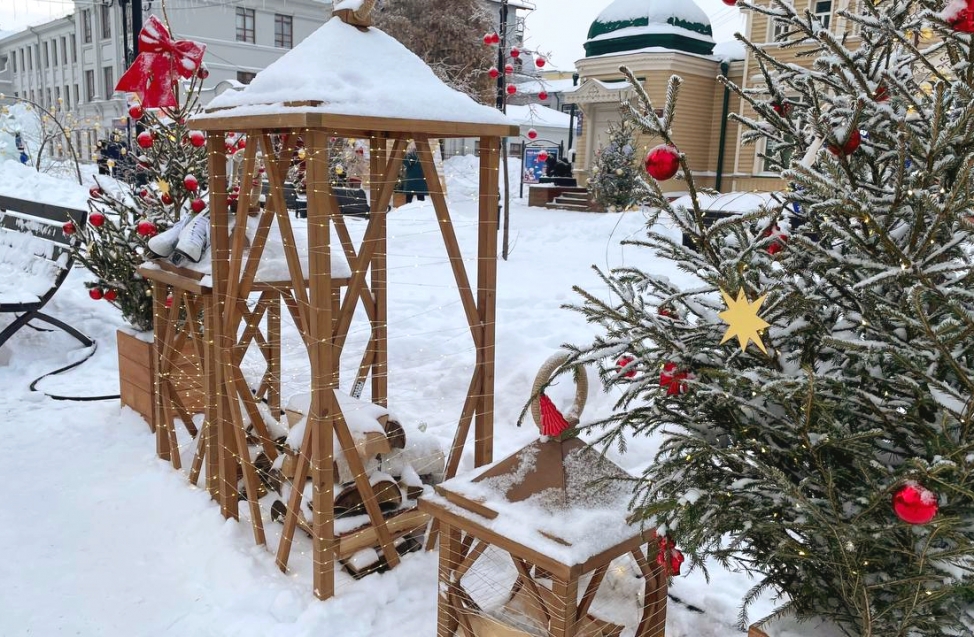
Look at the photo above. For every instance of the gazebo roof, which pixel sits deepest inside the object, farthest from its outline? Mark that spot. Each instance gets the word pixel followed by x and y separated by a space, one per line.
pixel 347 79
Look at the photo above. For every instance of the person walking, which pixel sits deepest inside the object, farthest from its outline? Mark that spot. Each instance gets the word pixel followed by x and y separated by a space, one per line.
pixel 413 181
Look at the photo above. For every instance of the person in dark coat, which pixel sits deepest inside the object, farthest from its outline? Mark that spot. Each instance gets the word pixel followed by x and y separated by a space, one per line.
pixel 413 182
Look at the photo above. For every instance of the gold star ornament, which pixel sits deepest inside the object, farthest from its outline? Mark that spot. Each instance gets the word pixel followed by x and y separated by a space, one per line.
pixel 742 320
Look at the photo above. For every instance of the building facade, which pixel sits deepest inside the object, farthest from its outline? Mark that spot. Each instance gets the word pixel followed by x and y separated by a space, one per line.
pixel 73 63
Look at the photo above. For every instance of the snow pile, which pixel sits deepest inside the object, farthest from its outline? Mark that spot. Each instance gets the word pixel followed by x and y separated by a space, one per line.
pixel 23 182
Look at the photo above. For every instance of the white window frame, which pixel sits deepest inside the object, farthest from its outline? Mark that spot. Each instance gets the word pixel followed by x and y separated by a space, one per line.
pixel 825 17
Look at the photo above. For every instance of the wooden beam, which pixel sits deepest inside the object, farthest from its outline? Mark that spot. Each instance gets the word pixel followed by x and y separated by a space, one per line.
pixel 487 297
pixel 379 344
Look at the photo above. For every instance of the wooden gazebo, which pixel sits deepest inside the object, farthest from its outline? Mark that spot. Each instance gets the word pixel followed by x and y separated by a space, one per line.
pixel 346 80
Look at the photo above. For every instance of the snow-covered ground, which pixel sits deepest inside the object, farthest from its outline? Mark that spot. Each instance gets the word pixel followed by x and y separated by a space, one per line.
pixel 99 537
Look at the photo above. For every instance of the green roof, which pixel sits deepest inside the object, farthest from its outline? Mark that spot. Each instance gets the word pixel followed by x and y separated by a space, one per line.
pixel 671 24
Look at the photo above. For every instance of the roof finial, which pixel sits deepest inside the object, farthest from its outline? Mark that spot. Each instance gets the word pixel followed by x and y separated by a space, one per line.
pixel 357 13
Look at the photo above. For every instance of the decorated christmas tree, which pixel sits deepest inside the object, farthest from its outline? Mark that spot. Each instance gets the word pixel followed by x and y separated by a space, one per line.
pixel 128 224
pixel 811 373
pixel 616 178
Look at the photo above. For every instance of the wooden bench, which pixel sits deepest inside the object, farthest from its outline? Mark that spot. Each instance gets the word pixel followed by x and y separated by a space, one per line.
pixel 35 259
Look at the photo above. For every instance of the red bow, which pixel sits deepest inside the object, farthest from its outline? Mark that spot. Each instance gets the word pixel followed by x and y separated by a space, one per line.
pixel 160 60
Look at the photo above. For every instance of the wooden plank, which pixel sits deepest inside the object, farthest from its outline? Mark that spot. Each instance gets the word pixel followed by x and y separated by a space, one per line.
pixel 238 237
pixel 136 375
pixel 563 607
pixel 447 614
pixel 652 623
pixel 294 501
pixel 379 344
pixel 210 424
pixel 174 280
pixel 487 298
pixel 473 506
pixel 160 324
pixel 606 556
pixel 274 355
pixel 134 349
pixel 590 591
pixel 349 545
pixel 469 559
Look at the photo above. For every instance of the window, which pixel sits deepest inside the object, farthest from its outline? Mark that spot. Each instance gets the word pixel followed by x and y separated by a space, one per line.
pixel 109 80
pixel 283 31
pixel 86 25
pixel 47 59
pixel 823 11
pixel 106 21
pixel 244 77
pixel 53 52
pixel 64 51
pixel 30 57
pixel 74 49
pixel 67 97
pixel 47 97
pixel 89 85
pixel 13 58
pixel 77 95
pixel 245 25
pixel 779 30
pixel 57 95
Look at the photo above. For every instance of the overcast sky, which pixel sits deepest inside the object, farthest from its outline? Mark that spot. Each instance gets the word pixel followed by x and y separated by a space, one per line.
pixel 557 26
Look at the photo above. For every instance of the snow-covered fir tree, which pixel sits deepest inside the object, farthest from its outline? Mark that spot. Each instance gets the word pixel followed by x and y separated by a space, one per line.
pixel 616 178
pixel 839 465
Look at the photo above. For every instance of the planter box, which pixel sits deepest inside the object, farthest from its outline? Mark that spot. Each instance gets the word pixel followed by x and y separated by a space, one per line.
pixel 136 377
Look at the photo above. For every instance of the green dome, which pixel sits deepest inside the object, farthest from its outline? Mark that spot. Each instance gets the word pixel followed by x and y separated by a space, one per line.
pixel 630 25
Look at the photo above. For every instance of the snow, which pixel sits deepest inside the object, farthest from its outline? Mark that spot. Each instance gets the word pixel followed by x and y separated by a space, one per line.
pixel 533 87
pixel 352 72
pixel 99 537
pixel 537 115
pixel 657 11
pixel 652 28
pixel 729 50
pixel 23 182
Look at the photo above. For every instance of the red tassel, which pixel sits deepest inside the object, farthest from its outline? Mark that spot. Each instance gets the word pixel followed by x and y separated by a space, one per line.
pixel 552 422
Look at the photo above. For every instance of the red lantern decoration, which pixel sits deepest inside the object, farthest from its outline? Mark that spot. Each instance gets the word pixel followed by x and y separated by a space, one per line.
pixel 673 380
pixel 539 62
pixel 662 162
pixel 146 228
pixel 96 219
pixel 621 364
pixel 160 61
pixel 191 183
pixel 197 205
pixel 915 505
pixel 144 139
pixel 508 69
pixel 543 95
pixel 511 89
pixel 135 111
pixel 197 138
pixel 96 294
pixel 94 192
pixel 515 52
pixel 111 295
pixel 69 228
pixel 850 145
pixel 532 134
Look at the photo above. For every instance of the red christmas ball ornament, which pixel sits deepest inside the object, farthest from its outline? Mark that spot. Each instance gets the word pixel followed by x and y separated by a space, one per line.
pixel 96 294
pixel 673 380
pixel 508 69
pixel 621 364
pixel 144 139
pixel 495 38
pixel 515 52
pixel 197 138
pixel 676 561
pixel 166 198
pixel 532 134
pixel 881 94
pixel 197 205
pixel 914 504
pixel 850 145
pixel 69 228
pixel 146 228
pixel 730 3
pixel 665 312
pixel 543 155
pixel 202 72
pixel 96 219
pixel 539 62
pixel 191 183
pixel 781 107
pixel 511 89
pixel 111 295
pixel 662 162
pixel 144 193
pixel 135 111
pixel 493 72
pixel 543 95
pixel 488 39
pixel 94 192
pixel 242 143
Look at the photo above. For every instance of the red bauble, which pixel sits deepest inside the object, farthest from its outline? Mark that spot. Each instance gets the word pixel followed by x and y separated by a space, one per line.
pixel 135 111
pixel 197 138
pixel 166 198
pixel 242 143
pixel 915 505
pixel 111 295
pixel 881 94
pixel 850 146
pixel 146 229
pixel 543 155
pixel 621 364
pixel 94 192
pixel 144 139
pixel 730 3
pixel 69 228
pixel 676 561
pixel 532 134
pixel 515 52
pixel 488 39
pixel 508 69
pixel 144 193
pixel 495 38
pixel 672 379
pixel 963 21
pixel 197 205
pixel 95 294
pixel 202 72
pixel 191 183
pixel 96 219
pixel 662 162
pixel 543 95
pixel 511 89
pixel 665 311
pixel 493 72
pixel 539 62
pixel 781 107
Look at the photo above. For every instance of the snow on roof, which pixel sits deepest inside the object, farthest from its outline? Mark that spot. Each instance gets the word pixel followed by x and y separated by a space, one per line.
pixel 538 115
pixel 352 72
pixel 657 11
pixel 729 50
pixel 533 87
pixel 653 28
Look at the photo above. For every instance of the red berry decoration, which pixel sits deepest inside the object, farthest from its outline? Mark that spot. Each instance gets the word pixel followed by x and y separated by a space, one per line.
pixel 191 183
pixel 673 380
pixel 96 219
pixel 111 295
pixel 850 146
pixel 96 294
pixel 144 139
pixel 543 155
pixel 621 364
pixel 515 52
pixel 543 95
pixel 662 162
pixel 146 228
pixel 915 505
pixel 197 138
pixel 166 198
pixel 493 72
pixel 539 62
pixel 532 134
pixel 198 205
pixel 94 192
pixel 69 228
pixel 508 69
pixel 511 89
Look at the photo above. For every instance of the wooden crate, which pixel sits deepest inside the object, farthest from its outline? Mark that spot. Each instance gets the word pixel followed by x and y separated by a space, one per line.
pixel 136 373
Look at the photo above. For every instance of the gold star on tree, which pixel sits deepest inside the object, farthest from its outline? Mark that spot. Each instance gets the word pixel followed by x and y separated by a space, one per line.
pixel 742 320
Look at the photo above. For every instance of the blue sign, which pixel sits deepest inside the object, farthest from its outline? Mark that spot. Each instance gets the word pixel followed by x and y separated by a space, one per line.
pixel 534 166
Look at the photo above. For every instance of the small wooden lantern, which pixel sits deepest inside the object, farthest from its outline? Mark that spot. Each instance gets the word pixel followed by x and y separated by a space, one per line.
pixel 559 509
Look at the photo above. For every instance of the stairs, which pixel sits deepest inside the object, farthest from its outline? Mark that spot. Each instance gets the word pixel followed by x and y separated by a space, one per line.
pixel 573 200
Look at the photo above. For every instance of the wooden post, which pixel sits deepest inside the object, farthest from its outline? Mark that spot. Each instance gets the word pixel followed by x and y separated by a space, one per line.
pixel 379 274
pixel 563 607
pixel 487 298
pixel 159 325
pixel 446 614
pixel 210 424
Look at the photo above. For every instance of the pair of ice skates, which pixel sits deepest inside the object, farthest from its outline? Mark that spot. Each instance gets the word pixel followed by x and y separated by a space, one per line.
pixel 187 239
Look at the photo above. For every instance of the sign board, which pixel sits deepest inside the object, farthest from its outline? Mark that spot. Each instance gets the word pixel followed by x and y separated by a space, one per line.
pixel 534 166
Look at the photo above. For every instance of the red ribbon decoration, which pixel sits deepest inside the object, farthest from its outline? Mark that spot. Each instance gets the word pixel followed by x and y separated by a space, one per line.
pixel 552 422
pixel 160 60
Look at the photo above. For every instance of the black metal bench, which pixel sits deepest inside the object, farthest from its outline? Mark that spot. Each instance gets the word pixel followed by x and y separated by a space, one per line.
pixel 35 259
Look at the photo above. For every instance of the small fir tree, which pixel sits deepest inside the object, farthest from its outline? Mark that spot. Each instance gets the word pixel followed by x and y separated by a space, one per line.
pixel 616 178
pixel 836 461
